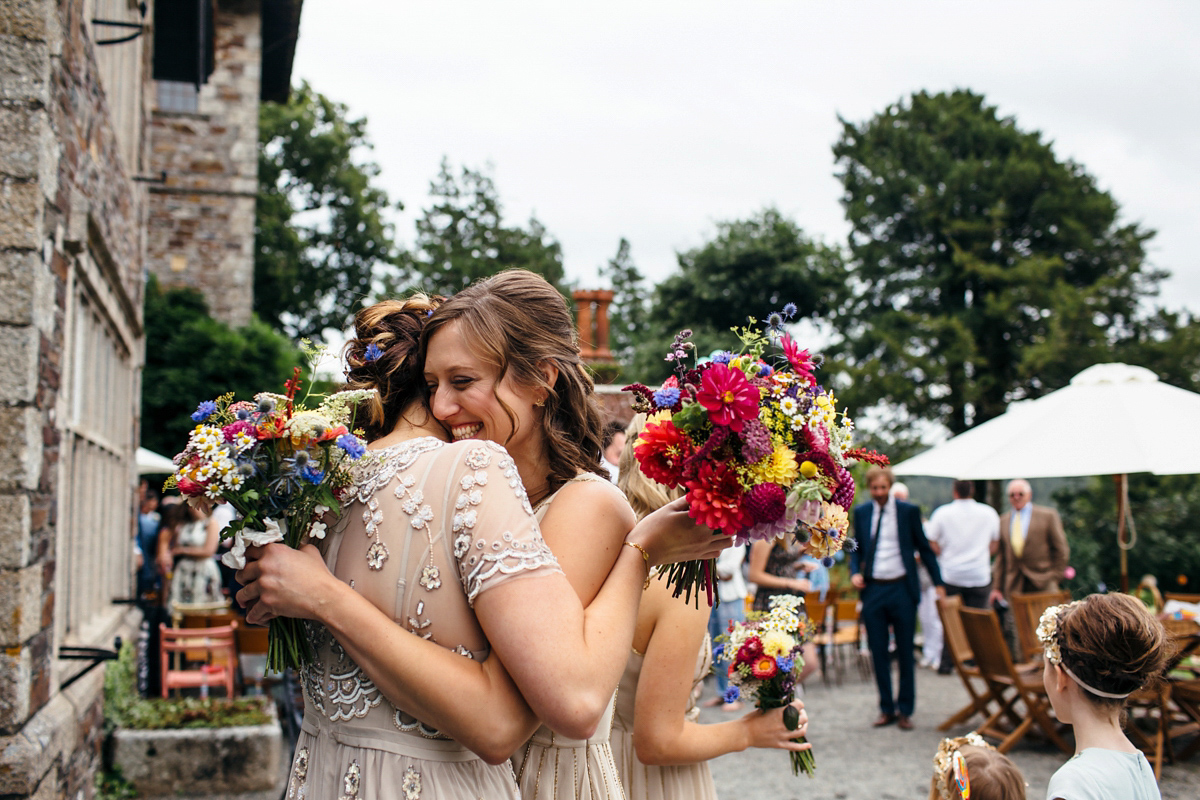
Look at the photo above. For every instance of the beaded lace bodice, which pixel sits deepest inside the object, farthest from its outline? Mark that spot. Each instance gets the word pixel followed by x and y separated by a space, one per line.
pixel 414 539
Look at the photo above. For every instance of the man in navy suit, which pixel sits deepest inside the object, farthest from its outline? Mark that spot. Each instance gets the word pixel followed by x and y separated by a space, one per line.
pixel 883 568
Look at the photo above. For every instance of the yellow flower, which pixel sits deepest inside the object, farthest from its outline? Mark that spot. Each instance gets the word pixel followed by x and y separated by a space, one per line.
pixel 777 643
pixel 779 467
pixel 808 469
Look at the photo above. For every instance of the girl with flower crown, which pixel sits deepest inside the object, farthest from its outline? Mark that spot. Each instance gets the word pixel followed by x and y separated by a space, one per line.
pixel 434 567
pixel 1099 650
pixel 968 768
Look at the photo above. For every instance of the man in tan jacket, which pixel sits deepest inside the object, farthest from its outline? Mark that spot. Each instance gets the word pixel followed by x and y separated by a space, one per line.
pixel 1033 551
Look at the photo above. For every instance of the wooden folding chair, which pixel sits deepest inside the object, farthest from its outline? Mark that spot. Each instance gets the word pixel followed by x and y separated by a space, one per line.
pixel 844 634
pixel 1007 684
pixel 252 657
pixel 215 666
pixel 1027 608
pixel 818 612
pixel 955 638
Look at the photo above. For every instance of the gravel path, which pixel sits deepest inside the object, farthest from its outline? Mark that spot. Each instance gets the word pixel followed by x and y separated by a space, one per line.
pixel 858 762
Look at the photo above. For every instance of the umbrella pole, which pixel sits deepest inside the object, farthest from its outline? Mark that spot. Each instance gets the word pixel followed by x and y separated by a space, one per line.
pixel 1122 544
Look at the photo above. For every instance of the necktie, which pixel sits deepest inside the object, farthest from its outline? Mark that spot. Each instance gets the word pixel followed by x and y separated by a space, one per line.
pixel 870 565
pixel 1017 535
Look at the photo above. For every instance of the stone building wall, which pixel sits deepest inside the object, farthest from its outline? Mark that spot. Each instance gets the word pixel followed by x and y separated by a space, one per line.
pixel 70 289
pixel 201 226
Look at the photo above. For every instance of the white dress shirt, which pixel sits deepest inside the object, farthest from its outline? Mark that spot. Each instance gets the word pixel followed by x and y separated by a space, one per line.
pixel 964 530
pixel 888 564
pixel 729 566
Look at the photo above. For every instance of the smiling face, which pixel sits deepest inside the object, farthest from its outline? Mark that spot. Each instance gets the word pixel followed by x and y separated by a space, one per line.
pixel 468 398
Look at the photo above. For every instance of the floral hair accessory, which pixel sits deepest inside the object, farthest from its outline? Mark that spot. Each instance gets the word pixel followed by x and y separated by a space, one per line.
pixel 948 762
pixel 1047 633
pixel 373 352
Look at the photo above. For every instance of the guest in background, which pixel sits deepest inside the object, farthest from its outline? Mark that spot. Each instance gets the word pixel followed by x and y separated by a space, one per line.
pixel 612 443
pixel 1032 553
pixel 197 578
pixel 927 613
pixel 731 591
pixel 965 535
pixel 149 578
pixel 773 568
pixel 883 568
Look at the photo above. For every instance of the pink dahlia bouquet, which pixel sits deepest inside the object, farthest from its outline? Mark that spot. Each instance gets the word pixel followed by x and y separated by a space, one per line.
pixel 283 467
pixel 763 654
pixel 759 446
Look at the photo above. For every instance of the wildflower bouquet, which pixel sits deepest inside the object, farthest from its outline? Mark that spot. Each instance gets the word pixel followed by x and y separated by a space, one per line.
pixel 759 446
pixel 283 467
pixel 764 660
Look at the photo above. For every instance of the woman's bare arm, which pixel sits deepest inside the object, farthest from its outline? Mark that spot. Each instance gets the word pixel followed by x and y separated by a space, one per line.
pixel 662 735
pixel 758 575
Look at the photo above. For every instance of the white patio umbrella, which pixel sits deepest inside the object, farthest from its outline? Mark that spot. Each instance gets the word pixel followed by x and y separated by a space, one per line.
pixel 1112 419
pixel 151 463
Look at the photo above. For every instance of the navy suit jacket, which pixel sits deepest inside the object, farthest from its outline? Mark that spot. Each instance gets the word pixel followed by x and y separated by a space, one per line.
pixel 912 540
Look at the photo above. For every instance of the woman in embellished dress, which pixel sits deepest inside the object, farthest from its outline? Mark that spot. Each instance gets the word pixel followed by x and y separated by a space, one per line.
pixel 430 567
pixel 661 751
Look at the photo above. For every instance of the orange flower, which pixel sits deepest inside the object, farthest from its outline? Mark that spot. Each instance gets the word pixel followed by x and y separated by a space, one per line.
pixel 764 668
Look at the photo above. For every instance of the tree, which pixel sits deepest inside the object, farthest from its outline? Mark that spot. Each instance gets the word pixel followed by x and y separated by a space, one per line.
pixel 321 235
pixel 985 268
pixel 628 315
pixel 191 357
pixel 751 268
pixel 462 237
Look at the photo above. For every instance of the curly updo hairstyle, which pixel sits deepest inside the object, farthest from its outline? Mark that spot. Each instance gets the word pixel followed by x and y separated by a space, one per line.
pixel 517 323
pixel 1112 642
pixel 384 356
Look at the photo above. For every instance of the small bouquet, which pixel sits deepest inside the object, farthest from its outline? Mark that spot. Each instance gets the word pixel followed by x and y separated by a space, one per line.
pixel 759 446
pixel 283 467
pixel 764 660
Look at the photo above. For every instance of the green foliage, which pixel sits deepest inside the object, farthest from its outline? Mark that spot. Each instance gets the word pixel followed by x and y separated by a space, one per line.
pixel 986 269
pixel 751 268
pixel 462 237
pixel 112 785
pixel 628 314
pixel 125 708
pixel 1166 512
pixel 321 236
pixel 191 357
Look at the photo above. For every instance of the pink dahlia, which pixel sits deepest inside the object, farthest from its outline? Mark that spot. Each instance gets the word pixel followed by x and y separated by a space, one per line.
pixel 728 397
pixel 765 502
pixel 715 498
pixel 801 361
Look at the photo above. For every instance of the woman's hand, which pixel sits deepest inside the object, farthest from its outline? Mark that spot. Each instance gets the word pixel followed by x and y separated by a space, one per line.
pixel 801 585
pixel 669 535
pixel 281 582
pixel 766 729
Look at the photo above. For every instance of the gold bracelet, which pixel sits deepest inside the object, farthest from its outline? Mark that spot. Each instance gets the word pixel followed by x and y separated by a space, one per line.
pixel 646 558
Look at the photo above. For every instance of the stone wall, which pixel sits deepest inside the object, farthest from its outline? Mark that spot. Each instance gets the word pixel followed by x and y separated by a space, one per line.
pixel 70 227
pixel 201 227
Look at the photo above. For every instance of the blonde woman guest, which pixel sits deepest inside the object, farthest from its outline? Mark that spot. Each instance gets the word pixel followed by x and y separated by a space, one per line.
pixel 660 749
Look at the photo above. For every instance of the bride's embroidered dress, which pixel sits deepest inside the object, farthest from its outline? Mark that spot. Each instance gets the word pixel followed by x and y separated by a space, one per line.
pixel 415 539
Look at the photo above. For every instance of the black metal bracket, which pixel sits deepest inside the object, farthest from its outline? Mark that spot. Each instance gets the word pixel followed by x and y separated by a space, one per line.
pixel 96 655
pixel 161 177
pixel 114 23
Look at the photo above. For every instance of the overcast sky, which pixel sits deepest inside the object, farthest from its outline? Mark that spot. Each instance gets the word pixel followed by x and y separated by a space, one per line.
pixel 653 120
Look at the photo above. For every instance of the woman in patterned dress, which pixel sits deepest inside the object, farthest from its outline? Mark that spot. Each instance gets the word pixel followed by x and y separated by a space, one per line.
pixel 437 539
pixel 662 752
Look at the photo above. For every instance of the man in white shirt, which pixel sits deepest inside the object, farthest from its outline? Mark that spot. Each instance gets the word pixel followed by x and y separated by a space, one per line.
pixel 965 535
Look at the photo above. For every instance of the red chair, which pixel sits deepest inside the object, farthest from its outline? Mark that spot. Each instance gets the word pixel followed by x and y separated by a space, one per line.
pixel 203 656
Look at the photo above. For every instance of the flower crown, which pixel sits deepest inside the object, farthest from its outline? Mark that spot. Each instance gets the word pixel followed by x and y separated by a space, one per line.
pixel 949 761
pixel 1047 633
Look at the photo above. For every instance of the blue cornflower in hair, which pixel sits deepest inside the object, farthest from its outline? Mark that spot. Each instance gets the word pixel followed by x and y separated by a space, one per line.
pixel 204 411
pixel 731 694
pixel 789 310
pixel 373 352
